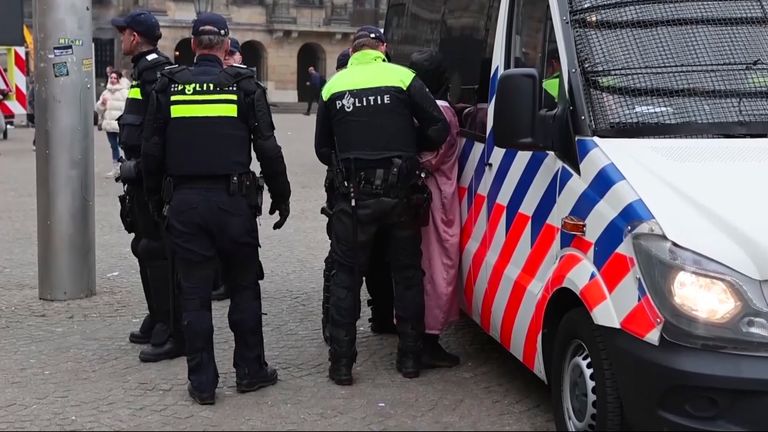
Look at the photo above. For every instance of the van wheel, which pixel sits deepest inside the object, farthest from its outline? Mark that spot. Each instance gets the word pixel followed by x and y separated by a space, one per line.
pixel 585 394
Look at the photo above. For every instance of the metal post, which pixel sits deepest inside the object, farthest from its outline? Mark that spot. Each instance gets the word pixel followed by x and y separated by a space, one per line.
pixel 65 168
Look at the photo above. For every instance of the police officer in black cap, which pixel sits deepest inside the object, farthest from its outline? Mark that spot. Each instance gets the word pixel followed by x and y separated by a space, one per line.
pixel 140 33
pixel 366 128
pixel 196 167
pixel 234 56
pixel 378 278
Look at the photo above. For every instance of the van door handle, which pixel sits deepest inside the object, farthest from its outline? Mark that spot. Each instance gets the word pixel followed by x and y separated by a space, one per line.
pixel 573 225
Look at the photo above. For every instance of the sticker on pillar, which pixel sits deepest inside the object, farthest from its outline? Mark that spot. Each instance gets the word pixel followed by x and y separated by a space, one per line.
pixel 63 50
pixel 87 64
pixel 70 41
pixel 60 69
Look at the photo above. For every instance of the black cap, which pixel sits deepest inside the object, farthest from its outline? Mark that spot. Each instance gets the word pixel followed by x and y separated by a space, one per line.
pixel 343 59
pixel 140 21
pixel 210 19
pixel 234 45
pixel 369 32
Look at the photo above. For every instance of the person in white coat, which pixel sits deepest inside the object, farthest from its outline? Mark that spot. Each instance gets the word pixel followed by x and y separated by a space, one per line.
pixel 110 107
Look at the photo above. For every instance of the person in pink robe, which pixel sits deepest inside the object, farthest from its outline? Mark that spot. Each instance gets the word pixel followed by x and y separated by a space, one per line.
pixel 440 239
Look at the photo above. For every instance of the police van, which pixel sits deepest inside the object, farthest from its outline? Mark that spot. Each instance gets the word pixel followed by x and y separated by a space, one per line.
pixel 613 170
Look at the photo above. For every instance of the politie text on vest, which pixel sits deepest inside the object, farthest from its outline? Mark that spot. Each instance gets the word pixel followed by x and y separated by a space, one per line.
pixel 349 103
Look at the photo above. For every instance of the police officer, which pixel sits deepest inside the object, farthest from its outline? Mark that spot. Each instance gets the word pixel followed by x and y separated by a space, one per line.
pixel 551 81
pixel 205 120
pixel 140 33
pixel 366 119
pixel 378 278
pixel 233 58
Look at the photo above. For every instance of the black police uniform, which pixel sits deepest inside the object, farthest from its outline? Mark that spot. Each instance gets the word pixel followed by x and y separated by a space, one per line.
pixel 378 278
pixel 367 119
pixel 378 283
pixel 206 119
pixel 148 244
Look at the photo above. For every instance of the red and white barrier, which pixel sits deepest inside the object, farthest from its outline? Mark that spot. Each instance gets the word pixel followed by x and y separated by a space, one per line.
pixel 16 102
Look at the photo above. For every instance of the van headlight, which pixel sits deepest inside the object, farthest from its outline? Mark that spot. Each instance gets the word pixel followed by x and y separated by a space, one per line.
pixel 704 303
pixel 704 297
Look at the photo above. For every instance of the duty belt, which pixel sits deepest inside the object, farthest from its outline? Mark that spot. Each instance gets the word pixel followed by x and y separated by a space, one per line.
pixel 231 182
pixel 248 185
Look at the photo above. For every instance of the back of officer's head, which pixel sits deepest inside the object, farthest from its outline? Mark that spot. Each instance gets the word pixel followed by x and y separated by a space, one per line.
pixel 369 37
pixel 210 35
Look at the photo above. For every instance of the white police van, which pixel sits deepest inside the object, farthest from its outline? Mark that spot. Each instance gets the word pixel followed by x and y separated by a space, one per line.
pixel 612 182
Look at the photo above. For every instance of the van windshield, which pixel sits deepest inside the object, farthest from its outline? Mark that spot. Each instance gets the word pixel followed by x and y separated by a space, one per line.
pixel 678 67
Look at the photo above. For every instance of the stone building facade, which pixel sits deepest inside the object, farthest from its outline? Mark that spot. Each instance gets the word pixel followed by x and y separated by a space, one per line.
pixel 280 39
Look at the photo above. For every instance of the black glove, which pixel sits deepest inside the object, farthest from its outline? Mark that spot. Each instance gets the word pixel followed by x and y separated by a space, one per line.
pixel 284 209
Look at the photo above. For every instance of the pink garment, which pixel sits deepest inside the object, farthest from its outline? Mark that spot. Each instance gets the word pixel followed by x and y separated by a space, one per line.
pixel 440 239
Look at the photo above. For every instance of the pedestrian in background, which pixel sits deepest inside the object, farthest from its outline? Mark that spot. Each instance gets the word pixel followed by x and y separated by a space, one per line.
pixel 110 107
pixel 315 84
pixel 31 100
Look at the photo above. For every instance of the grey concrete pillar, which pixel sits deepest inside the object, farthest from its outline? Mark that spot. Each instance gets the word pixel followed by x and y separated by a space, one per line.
pixel 64 133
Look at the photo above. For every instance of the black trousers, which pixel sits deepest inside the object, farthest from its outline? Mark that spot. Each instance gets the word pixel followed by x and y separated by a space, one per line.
pixel 392 219
pixel 378 281
pixel 149 246
pixel 207 226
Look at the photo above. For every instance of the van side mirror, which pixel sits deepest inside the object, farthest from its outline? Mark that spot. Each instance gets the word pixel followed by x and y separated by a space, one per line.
pixel 516 113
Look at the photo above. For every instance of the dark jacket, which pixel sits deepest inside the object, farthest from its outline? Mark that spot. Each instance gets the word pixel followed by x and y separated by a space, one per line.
pixel 146 69
pixel 209 134
pixel 375 110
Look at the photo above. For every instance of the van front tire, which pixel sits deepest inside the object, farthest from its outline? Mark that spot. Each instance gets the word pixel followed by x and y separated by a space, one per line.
pixel 585 394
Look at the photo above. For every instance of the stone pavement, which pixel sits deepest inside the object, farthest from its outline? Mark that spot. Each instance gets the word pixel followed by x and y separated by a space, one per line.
pixel 70 366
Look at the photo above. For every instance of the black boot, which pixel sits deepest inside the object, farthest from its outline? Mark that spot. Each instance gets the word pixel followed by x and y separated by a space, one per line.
pixel 408 364
pixel 221 293
pixel 342 355
pixel 160 334
pixel 144 334
pixel 340 371
pixel 248 381
pixel 201 397
pixel 170 350
pixel 435 356
pixel 409 351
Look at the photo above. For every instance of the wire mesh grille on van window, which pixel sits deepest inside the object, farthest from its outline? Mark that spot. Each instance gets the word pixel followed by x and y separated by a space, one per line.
pixel 673 67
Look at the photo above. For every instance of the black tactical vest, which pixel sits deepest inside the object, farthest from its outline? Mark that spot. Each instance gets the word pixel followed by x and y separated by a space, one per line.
pixel 131 122
pixel 208 130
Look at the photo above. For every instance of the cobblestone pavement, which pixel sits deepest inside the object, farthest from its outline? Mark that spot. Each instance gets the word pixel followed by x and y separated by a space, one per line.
pixel 69 365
